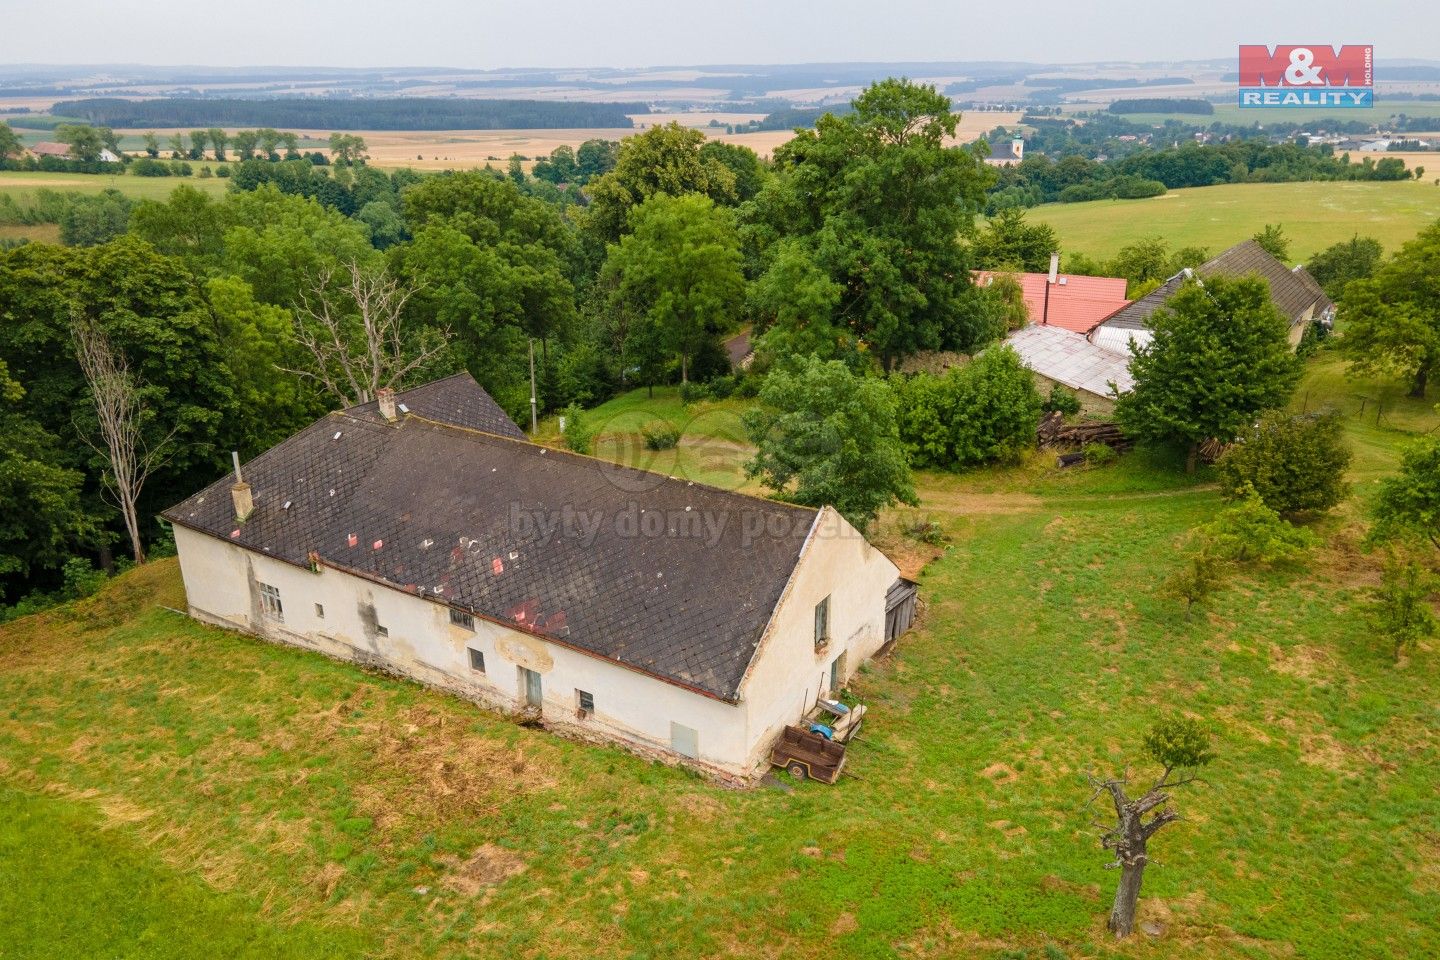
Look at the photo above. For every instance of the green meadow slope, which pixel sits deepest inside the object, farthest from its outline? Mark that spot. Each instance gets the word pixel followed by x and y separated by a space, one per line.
pixel 174 791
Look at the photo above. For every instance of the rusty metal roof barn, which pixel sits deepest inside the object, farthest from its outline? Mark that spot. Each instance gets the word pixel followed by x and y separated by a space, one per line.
pixel 668 577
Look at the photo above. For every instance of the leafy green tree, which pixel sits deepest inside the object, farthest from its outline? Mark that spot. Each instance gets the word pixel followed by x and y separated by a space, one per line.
pixel 10 145
pixel 682 259
pixel 1220 355
pixel 1181 747
pixel 1194 581
pixel 42 517
pixel 1294 464
pixel 741 161
pixel 1272 238
pixel 152 145
pixel 579 434
pixel 596 158
pixel 387 227
pixel 1408 506
pixel 279 243
pixel 663 159
pixel 1392 320
pixel 1009 243
pixel 89 221
pixel 1250 532
pixel 177 146
pixel 1401 607
pixel 292 145
pixel 984 412
pixel 561 166
pixel 190 224
pixel 881 205
pixel 218 139
pixel 1338 264
pixel 795 301
pixel 1144 261
pixel 198 139
pixel 270 138
pixel 515 170
pixel 828 437
pixel 345 148
pixel 244 144
pixel 84 140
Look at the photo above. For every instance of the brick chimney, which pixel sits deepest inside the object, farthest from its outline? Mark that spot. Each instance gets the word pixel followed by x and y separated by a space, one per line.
pixel 386 396
pixel 240 492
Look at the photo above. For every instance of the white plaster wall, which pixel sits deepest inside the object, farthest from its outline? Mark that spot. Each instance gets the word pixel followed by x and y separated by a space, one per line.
pixel 422 643
pixel 788 674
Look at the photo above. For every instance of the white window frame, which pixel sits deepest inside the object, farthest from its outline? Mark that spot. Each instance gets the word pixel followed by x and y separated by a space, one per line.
pixel 270 604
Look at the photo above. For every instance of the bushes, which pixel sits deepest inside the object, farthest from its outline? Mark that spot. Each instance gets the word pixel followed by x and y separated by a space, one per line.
pixel 578 433
pixel 985 412
pixel 1063 400
pixel 1295 464
pixel 662 436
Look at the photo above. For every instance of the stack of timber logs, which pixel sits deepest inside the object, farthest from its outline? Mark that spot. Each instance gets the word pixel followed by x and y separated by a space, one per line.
pixel 1054 432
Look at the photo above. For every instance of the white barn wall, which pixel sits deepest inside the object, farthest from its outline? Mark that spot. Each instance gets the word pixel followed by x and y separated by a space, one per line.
pixel 787 674
pixel 423 644
pixel 784 680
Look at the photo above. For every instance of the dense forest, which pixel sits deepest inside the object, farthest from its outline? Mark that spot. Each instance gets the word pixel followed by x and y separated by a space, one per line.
pixel 399 113
pixel 1162 105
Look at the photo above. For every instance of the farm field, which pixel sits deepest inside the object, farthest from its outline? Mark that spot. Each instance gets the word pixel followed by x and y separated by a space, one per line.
pixel 19 183
pixel 1314 216
pixel 177 791
pixel 1231 112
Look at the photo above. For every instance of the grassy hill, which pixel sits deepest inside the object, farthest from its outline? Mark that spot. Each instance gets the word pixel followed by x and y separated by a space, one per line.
pixel 1314 215
pixel 178 791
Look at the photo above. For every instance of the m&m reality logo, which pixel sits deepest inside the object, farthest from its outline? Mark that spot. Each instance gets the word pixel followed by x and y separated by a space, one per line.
pixel 1311 75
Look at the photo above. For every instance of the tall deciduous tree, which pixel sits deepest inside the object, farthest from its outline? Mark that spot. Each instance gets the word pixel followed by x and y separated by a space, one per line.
pixel 350 326
pixel 1219 356
pixel 84 140
pixel 120 419
pixel 828 437
pixel 682 260
pixel 1294 464
pixel 1008 242
pixel 218 139
pixel 1180 747
pixel 1392 320
pixel 1408 506
pixel 1338 264
pixel 663 159
pixel 880 203
pixel 10 145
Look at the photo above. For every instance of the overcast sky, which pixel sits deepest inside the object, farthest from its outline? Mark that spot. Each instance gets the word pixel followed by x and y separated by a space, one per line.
pixel 629 33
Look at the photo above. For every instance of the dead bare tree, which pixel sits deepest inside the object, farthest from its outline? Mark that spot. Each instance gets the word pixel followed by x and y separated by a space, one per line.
pixel 351 328
pixel 119 416
pixel 1178 745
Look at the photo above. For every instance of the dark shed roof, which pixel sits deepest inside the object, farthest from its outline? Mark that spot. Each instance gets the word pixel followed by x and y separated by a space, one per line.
pixel 1292 291
pixel 457 400
pixel 669 577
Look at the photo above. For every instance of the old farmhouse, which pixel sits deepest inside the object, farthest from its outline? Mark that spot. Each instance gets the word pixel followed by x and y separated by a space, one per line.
pixel 425 535
pixel 1091 355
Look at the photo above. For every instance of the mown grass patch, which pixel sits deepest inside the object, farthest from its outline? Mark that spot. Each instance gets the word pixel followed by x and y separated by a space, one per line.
pixel 1314 215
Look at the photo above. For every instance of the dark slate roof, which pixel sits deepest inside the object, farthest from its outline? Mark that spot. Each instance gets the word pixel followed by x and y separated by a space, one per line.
pixel 1289 289
pixel 1136 314
pixel 456 400
pixel 470 519
pixel 1292 291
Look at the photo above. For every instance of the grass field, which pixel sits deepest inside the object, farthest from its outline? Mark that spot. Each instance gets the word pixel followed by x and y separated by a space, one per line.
pixel 176 791
pixel 1233 113
pixel 19 183
pixel 1314 216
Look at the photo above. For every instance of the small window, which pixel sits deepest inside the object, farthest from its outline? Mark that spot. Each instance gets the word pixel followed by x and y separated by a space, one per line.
pixel 319 611
pixel 382 631
pixel 477 660
pixel 462 619
pixel 587 701
pixel 270 603
pixel 822 622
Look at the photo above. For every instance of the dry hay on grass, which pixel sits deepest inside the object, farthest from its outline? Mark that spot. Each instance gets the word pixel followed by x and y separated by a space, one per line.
pixel 429 764
pixel 488 866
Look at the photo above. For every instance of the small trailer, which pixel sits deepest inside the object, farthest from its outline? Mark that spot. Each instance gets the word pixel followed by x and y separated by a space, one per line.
pixel 805 749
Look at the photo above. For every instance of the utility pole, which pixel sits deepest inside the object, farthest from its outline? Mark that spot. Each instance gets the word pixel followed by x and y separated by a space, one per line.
pixel 534 405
